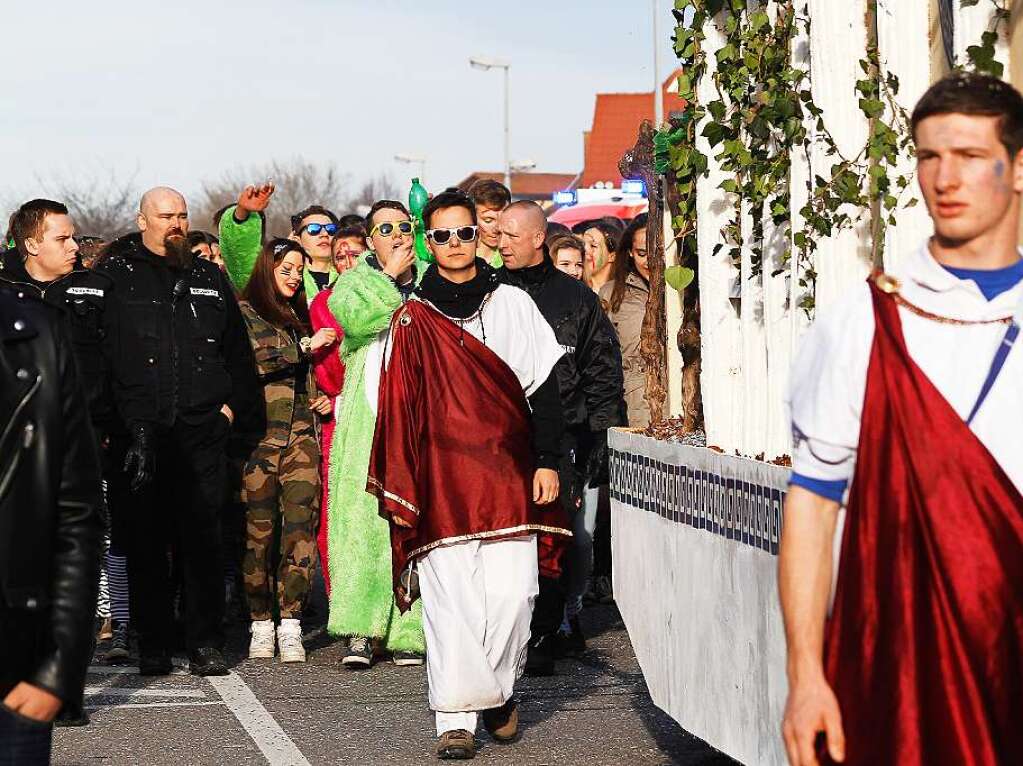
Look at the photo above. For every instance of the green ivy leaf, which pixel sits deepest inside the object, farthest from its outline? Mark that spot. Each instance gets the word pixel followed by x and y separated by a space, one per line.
pixel 679 277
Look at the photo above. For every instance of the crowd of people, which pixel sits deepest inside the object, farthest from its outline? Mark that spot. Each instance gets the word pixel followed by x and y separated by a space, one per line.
pixel 427 436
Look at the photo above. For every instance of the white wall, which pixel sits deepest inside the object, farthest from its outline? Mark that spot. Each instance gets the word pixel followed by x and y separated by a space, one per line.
pixel 701 609
pixel 748 344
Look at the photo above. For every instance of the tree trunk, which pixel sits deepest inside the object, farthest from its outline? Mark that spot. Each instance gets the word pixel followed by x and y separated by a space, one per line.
pixel 638 163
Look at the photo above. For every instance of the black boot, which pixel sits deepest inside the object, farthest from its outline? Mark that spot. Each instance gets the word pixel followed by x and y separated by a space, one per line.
pixel 207 661
pixel 540 655
pixel 573 643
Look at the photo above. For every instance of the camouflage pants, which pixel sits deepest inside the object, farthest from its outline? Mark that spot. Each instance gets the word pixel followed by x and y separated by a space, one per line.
pixel 282 487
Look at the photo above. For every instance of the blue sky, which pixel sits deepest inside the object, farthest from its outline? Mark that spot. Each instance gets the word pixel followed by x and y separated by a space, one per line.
pixel 180 92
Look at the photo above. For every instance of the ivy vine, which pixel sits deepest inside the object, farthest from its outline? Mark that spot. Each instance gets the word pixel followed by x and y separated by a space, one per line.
pixel 758 117
pixel 981 57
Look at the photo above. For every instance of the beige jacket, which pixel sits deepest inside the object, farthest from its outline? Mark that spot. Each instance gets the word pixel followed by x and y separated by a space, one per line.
pixel 628 324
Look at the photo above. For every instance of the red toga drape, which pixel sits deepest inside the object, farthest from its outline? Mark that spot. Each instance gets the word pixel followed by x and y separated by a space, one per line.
pixel 452 453
pixel 924 648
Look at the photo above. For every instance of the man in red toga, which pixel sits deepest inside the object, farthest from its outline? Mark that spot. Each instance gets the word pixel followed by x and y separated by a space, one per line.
pixel 907 416
pixel 464 463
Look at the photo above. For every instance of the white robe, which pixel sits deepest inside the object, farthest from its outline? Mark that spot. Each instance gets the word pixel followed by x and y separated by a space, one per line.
pixel 478 595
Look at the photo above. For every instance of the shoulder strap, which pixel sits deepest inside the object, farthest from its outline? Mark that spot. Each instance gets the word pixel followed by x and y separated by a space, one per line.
pixel 1001 354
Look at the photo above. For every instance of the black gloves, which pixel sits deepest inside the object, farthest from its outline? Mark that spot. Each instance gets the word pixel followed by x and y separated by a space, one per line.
pixel 597 471
pixel 140 458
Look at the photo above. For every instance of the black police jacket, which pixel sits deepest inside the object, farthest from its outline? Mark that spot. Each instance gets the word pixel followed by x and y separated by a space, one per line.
pixel 175 340
pixel 51 526
pixel 590 372
pixel 80 295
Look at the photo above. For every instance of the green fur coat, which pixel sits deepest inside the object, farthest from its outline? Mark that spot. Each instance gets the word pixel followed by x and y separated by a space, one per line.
pixel 359 540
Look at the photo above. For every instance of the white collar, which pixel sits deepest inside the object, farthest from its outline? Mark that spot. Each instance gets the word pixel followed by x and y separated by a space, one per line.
pixel 931 286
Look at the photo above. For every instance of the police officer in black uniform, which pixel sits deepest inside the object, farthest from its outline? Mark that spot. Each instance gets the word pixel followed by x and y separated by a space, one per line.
pixel 44 263
pixel 182 373
pixel 590 380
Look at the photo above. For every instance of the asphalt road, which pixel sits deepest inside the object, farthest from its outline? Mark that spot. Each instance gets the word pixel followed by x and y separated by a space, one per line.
pixel 596 711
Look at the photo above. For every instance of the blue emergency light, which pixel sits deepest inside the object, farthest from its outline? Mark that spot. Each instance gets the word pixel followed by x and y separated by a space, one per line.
pixel 634 187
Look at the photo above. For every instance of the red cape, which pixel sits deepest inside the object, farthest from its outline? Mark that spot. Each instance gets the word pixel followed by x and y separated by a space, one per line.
pixel 924 648
pixel 452 453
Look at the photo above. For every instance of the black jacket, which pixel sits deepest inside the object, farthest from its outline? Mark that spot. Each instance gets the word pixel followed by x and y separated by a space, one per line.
pixel 175 340
pixel 81 296
pixel 590 372
pixel 50 519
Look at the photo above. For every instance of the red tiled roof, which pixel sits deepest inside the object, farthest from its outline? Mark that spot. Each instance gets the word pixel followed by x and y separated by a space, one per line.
pixel 616 121
pixel 532 185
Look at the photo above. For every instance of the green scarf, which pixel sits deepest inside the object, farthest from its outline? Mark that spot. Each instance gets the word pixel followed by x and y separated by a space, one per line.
pixel 311 288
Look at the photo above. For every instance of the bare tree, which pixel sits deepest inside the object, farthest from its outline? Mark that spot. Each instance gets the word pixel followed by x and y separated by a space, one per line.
pixel 300 183
pixel 381 186
pixel 101 206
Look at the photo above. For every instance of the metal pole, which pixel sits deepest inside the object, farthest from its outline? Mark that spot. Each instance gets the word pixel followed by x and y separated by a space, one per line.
pixel 507 133
pixel 658 97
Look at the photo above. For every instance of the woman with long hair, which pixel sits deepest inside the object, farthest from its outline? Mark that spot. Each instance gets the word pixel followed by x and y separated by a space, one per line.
pixel 601 241
pixel 282 478
pixel 624 298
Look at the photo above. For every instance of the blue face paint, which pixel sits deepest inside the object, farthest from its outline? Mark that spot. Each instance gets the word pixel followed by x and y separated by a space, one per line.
pixel 999 168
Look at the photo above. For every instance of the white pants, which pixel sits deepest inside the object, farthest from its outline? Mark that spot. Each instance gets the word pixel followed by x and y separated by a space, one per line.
pixel 477 603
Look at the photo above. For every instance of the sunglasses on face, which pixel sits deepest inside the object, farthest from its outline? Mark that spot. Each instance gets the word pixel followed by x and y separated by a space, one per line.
pixel 441 236
pixel 387 228
pixel 315 228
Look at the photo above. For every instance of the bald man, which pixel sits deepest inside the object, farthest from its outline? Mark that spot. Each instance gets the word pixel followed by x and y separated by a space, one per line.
pixel 182 373
pixel 592 391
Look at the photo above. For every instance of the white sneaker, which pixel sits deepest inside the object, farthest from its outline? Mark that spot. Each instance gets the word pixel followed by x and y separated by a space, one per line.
pixel 289 641
pixel 261 646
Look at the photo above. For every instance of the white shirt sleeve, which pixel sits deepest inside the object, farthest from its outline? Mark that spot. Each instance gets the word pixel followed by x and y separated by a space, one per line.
pixel 828 383
pixel 543 351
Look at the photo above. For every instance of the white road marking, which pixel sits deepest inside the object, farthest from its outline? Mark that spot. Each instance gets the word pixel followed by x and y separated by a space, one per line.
pixel 122 705
pixel 121 691
pixel 273 743
pixel 129 670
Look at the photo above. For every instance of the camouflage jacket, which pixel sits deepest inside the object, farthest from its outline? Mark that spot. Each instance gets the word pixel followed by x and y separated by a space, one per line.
pixel 277 354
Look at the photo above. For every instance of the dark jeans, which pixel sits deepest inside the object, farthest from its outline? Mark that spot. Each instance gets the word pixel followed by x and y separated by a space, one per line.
pixel 549 607
pixel 23 742
pixel 179 510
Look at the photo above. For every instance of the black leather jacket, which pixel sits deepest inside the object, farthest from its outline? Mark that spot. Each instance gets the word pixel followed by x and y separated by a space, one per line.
pixel 50 519
pixel 175 340
pixel 81 296
pixel 590 372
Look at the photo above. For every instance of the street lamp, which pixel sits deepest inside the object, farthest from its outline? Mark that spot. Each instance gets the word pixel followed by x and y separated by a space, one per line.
pixel 658 98
pixel 414 159
pixel 487 63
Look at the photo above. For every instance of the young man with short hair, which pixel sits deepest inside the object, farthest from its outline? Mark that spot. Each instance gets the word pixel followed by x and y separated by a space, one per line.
pixel 46 264
pixel 489 198
pixel 363 300
pixel 241 237
pixel 906 410
pixel 464 463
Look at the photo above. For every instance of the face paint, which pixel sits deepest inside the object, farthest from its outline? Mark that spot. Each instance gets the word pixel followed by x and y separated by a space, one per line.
pixel 999 168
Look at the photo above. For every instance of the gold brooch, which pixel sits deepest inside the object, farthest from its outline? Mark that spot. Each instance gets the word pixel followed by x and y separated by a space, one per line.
pixel 887 283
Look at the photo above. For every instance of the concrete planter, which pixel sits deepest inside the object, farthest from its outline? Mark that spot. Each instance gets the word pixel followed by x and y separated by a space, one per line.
pixel 695 540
